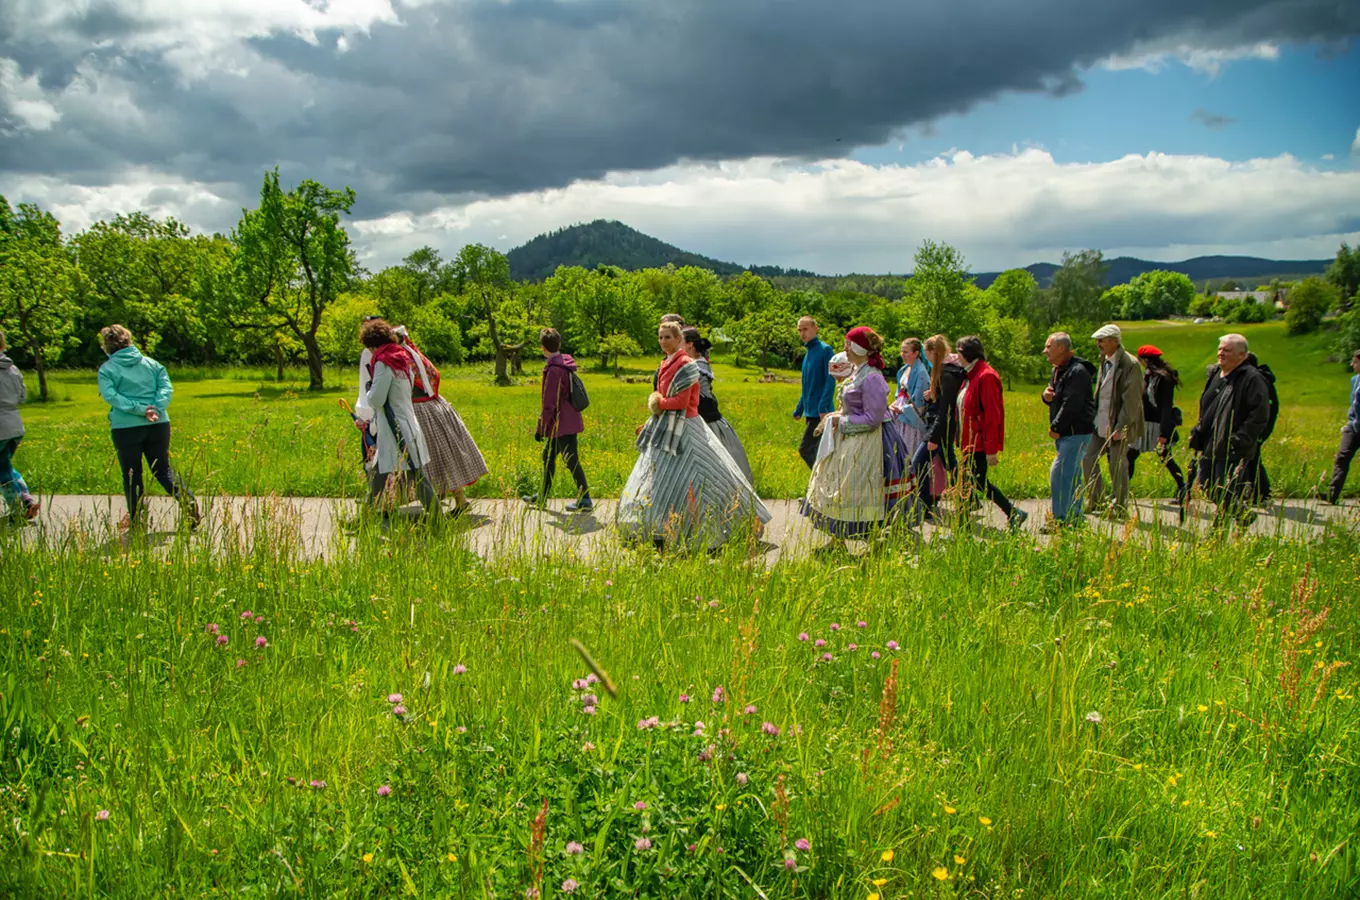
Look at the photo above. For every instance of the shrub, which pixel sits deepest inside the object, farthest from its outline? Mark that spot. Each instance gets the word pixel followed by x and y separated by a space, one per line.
pixel 1308 303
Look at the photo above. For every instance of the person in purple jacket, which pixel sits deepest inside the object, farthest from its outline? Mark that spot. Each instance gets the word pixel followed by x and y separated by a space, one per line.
pixel 559 424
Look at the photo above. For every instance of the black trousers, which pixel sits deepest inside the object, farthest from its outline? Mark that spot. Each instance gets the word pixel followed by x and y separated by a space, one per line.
pixel 977 469
pixel 564 446
pixel 808 447
pixel 1350 442
pixel 1226 482
pixel 151 442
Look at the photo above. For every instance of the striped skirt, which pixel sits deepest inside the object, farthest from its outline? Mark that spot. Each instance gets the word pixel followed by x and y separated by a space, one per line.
pixel 856 488
pixel 455 462
pixel 722 429
pixel 693 497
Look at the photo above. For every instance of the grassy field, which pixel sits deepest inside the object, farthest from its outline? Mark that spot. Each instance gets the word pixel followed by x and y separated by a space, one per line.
pixel 238 431
pixel 986 719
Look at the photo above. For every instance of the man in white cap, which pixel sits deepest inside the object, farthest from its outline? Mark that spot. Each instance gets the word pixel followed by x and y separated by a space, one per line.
pixel 1119 421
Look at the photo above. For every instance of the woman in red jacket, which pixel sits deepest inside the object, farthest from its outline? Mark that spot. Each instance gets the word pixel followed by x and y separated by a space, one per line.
pixel 684 488
pixel 982 416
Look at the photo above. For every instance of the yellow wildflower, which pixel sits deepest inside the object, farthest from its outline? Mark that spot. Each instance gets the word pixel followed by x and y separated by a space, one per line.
pixel 1137 767
pixel 879 882
pixel 959 860
pixel 1202 708
pixel 949 810
pixel 984 820
pixel 887 856
pixel 368 857
pixel 941 873
pixel 873 896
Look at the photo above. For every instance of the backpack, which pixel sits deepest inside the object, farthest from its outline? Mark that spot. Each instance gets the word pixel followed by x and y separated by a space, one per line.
pixel 576 392
pixel 577 397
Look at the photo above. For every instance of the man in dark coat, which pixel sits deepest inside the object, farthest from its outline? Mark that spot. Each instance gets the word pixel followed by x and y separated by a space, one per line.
pixel 1258 477
pixel 1233 413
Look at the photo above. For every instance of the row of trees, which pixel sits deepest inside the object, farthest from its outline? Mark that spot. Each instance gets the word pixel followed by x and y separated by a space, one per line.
pixel 285 286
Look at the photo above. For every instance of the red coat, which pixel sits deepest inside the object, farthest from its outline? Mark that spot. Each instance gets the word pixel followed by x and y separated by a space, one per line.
pixel 984 412
pixel 688 399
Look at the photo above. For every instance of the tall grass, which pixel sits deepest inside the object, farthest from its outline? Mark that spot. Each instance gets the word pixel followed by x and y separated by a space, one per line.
pixel 987 718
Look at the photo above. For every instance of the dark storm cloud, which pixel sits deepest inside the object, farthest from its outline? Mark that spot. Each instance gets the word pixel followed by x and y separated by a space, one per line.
pixel 499 97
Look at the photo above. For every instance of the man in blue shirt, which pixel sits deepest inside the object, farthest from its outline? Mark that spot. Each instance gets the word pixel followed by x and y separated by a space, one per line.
pixel 819 391
pixel 1350 436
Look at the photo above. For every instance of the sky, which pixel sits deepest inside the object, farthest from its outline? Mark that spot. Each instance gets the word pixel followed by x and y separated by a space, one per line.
pixel 831 136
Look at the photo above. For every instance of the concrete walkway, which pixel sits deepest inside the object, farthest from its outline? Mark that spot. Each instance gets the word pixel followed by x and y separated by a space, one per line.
pixel 507 527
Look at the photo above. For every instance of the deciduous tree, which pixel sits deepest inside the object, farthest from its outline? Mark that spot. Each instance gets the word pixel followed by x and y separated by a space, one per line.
pixel 38 284
pixel 293 261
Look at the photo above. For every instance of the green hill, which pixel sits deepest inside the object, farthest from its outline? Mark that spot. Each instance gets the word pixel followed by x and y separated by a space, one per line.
pixel 611 243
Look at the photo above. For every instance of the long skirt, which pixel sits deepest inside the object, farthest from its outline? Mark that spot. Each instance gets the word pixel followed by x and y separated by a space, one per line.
pixel 856 488
pixel 1152 432
pixel 722 429
pixel 912 437
pixel 694 496
pixel 455 462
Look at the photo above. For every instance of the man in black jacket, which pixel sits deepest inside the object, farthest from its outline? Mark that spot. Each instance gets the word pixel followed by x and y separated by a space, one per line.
pixel 1258 478
pixel 1233 412
pixel 1071 422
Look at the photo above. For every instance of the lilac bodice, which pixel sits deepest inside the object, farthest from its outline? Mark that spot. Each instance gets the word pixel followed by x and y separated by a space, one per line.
pixel 866 399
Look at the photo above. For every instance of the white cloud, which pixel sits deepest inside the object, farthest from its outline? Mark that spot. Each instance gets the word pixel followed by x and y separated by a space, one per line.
pixel 199 36
pixel 1002 210
pixel 1355 144
pixel 1154 58
pixel 842 216
pixel 23 99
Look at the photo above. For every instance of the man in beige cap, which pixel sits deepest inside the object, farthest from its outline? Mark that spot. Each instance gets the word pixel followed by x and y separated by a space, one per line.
pixel 1119 421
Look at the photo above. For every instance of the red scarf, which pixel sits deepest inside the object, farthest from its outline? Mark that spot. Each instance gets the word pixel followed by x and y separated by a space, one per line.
pixel 394 356
pixel 860 338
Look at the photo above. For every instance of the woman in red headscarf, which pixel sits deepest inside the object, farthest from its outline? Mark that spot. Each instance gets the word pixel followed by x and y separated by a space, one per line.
pixel 855 489
pixel 1161 418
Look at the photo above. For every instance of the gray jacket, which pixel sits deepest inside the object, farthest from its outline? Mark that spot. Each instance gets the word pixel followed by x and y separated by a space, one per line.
pixel 12 393
pixel 393 392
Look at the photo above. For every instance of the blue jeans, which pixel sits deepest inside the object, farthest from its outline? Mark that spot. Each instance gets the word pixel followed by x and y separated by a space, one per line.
pixel 1064 479
pixel 13 490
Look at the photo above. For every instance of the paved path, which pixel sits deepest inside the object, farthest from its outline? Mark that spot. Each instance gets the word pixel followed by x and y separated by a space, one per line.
pixel 501 527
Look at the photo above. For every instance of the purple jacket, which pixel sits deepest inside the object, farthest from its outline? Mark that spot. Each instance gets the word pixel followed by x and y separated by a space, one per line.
pixel 558 417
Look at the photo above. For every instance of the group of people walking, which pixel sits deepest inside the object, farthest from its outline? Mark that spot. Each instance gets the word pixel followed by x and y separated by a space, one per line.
pixel 892 448
pixel 948 406
pixel 879 450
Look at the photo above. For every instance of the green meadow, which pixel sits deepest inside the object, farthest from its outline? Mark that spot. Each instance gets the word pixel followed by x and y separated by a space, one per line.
pixel 982 716
pixel 974 718
pixel 239 431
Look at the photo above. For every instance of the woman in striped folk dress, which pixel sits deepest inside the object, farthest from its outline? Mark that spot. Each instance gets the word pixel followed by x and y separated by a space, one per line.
pixel 684 489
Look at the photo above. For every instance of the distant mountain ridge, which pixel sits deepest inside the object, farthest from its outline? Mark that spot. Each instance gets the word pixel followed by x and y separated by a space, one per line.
pixel 1123 269
pixel 607 242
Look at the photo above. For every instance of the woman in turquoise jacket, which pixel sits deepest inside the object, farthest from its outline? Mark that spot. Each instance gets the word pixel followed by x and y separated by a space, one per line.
pixel 138 392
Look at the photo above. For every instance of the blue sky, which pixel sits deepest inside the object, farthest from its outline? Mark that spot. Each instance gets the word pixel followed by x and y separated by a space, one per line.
pixel 1305 103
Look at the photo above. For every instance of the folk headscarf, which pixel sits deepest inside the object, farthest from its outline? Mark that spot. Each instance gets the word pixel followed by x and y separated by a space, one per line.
pixel 859 336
